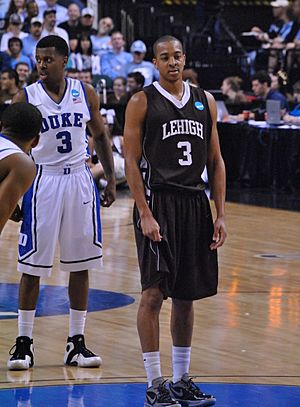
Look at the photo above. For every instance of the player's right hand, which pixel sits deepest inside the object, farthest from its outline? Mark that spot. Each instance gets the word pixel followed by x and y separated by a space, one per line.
pixel 16 216
pixel 151 228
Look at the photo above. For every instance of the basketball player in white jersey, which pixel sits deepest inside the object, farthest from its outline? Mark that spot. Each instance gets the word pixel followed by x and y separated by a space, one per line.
pixel 21 124
pixel 63 203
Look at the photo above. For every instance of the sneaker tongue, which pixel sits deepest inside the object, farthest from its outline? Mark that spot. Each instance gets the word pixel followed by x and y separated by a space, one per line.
pixel 156 382
pixel 185 377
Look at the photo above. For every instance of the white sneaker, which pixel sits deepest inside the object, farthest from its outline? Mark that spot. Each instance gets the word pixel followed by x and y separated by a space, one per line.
pixel 77 354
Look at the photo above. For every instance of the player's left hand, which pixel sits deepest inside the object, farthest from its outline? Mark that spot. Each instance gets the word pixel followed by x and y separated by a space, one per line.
pixel 219 235
pixel 109 194
pixel 16 216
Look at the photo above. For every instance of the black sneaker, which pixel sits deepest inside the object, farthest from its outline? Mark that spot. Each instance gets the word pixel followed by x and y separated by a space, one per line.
pixel 77 354
pixel 189 395
pixel 22 356
pixel 158 395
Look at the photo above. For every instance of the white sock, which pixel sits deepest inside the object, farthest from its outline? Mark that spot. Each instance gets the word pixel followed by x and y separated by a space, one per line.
pixel 25 322
pixel 152 366
pixel 181 357
pixel 76 322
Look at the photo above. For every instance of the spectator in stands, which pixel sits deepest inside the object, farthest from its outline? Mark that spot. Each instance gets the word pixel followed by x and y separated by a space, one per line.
pixel 119 89
pixel 83 57
pixel 23 70
pixel 135 83
pixel 50 28
pixel 33 77
pixel 231 88
pixel 61 12
pixel 190 76
pixel 32 9
pixel 29 42
pixel 293 41
pixel 102 40
pixel 17 7
pixel 13 30
pixel 279 29
pixel 4 61
pixel 86 21
pixel 147 69
pixel 86 76
pixel 113 63
pixel 72 73
pixel 261 87
pixel 72 25
pixel 15 46
pixel 9 85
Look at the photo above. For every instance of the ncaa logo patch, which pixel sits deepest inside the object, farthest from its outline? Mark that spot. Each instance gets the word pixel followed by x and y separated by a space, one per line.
pixel 199 106
pixel 75 93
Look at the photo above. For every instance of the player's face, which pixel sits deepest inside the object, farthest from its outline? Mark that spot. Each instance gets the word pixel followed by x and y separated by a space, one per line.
pixel 169 60
pixel 50 64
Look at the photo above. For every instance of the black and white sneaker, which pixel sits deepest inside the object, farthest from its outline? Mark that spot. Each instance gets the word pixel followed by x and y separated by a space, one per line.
pixel 77 354
pixel 158 395
pixel 188 394
pixel 22 354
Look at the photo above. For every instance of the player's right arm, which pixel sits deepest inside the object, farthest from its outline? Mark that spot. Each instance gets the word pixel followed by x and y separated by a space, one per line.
pixel 17 173
pixel 133 131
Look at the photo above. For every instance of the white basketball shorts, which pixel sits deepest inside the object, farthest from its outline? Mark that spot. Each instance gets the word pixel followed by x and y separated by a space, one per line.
pixel 62 205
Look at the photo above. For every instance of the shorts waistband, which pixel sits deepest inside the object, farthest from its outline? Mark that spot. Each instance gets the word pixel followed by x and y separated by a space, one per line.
pixel 62 169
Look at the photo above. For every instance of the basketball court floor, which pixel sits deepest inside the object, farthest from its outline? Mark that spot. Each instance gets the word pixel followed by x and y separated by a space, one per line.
pixel 246 339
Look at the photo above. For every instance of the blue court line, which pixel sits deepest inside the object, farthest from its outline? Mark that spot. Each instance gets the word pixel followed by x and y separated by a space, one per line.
pixel 132 395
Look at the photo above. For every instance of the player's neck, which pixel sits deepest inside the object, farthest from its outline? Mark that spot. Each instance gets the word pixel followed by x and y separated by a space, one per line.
pixel 56 89
pixel 176 89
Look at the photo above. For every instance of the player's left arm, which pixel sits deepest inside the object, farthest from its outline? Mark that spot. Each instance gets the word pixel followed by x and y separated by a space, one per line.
pixel 217 177
pixel 102 146
pixel 19 171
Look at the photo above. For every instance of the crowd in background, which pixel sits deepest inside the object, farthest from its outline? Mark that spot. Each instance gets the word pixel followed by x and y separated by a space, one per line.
pixel 117 70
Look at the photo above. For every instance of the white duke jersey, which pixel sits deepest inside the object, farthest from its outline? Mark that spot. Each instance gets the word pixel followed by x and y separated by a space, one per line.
pixel 7 147
pixel 63 135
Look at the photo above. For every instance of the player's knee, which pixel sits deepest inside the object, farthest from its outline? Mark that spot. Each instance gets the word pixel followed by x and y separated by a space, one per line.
pixel 152 299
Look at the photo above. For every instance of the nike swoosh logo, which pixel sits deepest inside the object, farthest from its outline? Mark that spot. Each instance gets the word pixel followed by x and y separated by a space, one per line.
pixel 151 400
pixel 84 203
pixel 177 393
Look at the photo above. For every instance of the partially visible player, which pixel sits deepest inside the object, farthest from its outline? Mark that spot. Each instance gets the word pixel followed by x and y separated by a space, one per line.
pixel 21 124
pixel 63 204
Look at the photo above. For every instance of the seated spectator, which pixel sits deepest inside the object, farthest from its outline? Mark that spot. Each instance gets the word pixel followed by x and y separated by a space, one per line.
pixel 17 7
pixel 86 76
pixel 261 87
pixel 113 63
pixel 135 83
pixel 72 73
pixel 102 40
pixel 86 21
pixel 15 46
pixel 119 89
pixel 72 25
pixel 23 70
pixel 4 61
pixel 147 69
pixel 9 85
pixel 50 28
pixel 83 57
pixel 33 77
pixel 278 29
pixel 190 76
pixel 32 9
pixel 13 30
pixel 29 42
pixel 293 42
pixel 231 88
pixel 61 12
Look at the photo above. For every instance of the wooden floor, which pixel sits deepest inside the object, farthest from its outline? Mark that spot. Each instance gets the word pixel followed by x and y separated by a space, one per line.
pixel 248 333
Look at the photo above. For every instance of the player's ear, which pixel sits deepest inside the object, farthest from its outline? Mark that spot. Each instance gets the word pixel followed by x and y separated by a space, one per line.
pixel 66 60
pixel 35 141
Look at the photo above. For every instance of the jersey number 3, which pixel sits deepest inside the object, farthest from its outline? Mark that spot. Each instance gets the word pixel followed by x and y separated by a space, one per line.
pixel 186 152
pixel 65 137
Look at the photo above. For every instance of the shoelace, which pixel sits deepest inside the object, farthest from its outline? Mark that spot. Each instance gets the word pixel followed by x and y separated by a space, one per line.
pixel 163 394
pixel 19 351
pixel 83 350
pixel 193 388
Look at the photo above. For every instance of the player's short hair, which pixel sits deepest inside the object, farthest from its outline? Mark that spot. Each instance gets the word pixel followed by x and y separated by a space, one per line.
pixel 165 38
pixel 22 120
pixel 56 42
